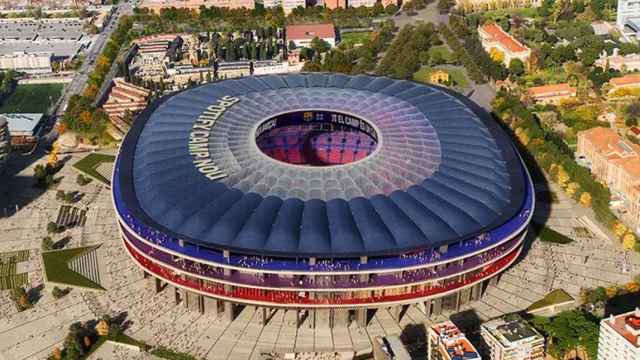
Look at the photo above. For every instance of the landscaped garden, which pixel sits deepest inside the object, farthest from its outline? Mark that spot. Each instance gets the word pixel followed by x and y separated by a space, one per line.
pixel 353 38
pixel 9 278
pixel 91 166
pixel 57 270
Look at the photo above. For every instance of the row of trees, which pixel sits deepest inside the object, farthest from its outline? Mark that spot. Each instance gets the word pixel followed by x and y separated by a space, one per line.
pixel 409 51
pixel 546 151
pixel 459 52
pixel 569 331
pixel 7 83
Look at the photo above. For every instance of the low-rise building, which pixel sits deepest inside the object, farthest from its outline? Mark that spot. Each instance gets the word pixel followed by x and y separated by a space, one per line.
pixel 620 337
pixel 439 77
pixel 496 40
pixel 302 35
pixel 24 129
pixel 630 62
pixel 447 342
pixel 615 162
pixel 552 94
pixel 28 63
pixel 630 81
pixel 511 338
pixel 157 5
pixel 124 98
pixel 484 5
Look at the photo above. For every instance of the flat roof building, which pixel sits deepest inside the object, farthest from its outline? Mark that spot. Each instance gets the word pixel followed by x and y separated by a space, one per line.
pixel 28 63
pixel 552 94
pixel 620 337
pixel 447 342
pixel 24 129
pixel 511 338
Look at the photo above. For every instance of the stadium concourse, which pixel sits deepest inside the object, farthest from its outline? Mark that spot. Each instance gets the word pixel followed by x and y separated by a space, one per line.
pixel 324 194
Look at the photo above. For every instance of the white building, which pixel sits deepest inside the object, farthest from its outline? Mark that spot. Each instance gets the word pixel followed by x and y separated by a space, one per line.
pixel 447 342
pixel 358 3
pixel 627 10
pixel 510 338
pixel 302 35
pixel 620 337
pixel 24 62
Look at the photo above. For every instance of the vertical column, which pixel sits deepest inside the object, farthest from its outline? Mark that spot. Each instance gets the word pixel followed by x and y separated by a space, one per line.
pixel 210 305
pixel 361 317
pixel 395 312
pixel 323 318
pixel 437 306
pixel 465 296
pixel 340 317
pixel 427 308
pixel 476 291
pixel 158 285
pixel 228 311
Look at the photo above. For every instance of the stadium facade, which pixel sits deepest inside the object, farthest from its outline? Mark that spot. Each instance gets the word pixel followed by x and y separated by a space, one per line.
pixel 322 193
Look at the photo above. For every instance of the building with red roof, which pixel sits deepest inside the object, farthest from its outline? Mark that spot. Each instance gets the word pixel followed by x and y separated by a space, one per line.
pixel 493 38
pixel 302 35
pixel 552 94
pixel 620 337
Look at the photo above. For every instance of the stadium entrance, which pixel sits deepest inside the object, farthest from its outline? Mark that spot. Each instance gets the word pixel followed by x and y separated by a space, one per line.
pixel 316 138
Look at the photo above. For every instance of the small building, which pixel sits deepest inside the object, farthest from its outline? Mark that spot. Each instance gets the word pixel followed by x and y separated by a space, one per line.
pixel 30 63
pixel 630 62
pixel 511 338
pixel 620 337
pixel 24 129
pixel 634 131
pixel 630 81
pixel 302 35
pixel 494 39
pixel 552 94
pixel 439 77
pixel 446 342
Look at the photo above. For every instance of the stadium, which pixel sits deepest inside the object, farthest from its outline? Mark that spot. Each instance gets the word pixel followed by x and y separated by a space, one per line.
pixel 326 194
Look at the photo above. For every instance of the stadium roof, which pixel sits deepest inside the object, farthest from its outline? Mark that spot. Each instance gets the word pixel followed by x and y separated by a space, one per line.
pixel 443 170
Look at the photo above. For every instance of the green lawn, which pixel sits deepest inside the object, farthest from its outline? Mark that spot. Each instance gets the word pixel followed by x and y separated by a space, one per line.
pixel 56 269
pixel 549 235
pixel 457 75
pixel 444 51
pixel 355 37
pixel 9 279
pixel 31 98
pixel 499 14
pixel 557 296
pixel 89 163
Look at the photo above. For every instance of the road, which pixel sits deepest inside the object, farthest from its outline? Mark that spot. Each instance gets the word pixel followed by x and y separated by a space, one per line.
pixel 80 79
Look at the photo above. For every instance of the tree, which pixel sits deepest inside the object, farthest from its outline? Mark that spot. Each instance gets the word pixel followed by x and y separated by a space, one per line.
pixel 628 242
pixel 292 45
pixel 570 330
pixel 516 67
pixel 391 9
pixel 57 293
pixel 320 45
pixel 52 227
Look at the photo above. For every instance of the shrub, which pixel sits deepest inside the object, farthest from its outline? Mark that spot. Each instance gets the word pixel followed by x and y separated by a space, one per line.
pixel 47 243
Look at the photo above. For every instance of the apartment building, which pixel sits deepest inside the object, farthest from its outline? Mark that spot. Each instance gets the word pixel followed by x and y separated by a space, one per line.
pixel 447 342
pixel 511 338
pixel 620 337
pixel 493 38
pixel 552 94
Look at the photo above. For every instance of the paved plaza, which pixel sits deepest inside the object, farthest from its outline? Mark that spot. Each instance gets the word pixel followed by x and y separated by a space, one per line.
pixel 155 319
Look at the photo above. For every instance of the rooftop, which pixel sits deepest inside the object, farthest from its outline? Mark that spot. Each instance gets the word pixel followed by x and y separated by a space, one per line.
pixel 310 31
pixel 627 325
pixel 553 89
pixel 18 123
pixel 454 341
pixel 499 35
pixel 511 328
pixel 625 80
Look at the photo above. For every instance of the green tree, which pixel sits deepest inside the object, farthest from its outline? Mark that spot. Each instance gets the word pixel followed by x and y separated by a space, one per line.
pixel 47 243
pixel 516 67
pixel 320 45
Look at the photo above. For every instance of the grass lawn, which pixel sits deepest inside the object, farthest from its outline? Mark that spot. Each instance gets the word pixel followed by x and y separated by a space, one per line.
pixel 549 235
pixel 457 75
pixel 499 14
pixel 557 296
pixel 90 163
pixel 355 37
pixel 9 279
pixel 31 98
pixel 57 271
pixel 444 51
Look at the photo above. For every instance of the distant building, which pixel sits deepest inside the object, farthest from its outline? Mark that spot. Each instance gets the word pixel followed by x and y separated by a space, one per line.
pixel 5 143
pixel 358 3
pixel 24 129
pixel 124 98
pixel 302 35
pixel 439 77
pixel 618 62
pixel 28 63
pixel 493 38
pixel 620 337
pixel 615 162
pixel 511 338
pixel 484 5
pixel 157 5
pixel 630 81
pixel 551 94
pixel 447 342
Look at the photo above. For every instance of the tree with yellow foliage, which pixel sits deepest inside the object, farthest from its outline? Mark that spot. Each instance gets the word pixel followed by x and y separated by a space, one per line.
pixel 632 286
pixel 563 177
pixel 612 291
pixel 496 55
pixel 85 117
pixel 572 187
pixel 522 135
pixel 102 328
pixel 585 199
pixel 619 228
pixel 628 242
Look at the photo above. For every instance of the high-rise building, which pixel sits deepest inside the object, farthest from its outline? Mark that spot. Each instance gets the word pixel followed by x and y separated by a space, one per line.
pixel 447 342
pixel 5 144
pixel 511 338
pixel 620 337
